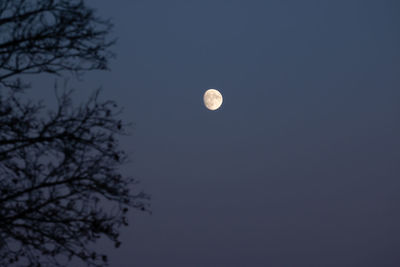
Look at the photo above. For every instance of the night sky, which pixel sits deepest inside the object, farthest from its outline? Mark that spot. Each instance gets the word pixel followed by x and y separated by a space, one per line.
pixel 300 165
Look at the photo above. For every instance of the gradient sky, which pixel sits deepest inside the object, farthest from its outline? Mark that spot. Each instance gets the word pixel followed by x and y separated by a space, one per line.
pixel 299 167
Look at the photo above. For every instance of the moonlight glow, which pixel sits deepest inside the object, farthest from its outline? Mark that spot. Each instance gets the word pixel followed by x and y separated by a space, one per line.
pixel 212 99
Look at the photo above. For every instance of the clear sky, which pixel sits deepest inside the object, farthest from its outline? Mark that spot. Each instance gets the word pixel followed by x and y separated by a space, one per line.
pixel 300 165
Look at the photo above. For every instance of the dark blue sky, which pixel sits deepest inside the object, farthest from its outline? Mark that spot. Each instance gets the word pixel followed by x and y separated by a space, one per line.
pixel 299 167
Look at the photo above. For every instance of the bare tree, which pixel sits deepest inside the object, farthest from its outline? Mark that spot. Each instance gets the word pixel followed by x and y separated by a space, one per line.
pixel 60 185
pixel 50 36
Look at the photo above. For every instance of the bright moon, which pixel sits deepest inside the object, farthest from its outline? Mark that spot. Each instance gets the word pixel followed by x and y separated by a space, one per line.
pixel 212 99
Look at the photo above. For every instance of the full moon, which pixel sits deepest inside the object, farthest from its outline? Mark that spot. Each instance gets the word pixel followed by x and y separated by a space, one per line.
pixel 212 99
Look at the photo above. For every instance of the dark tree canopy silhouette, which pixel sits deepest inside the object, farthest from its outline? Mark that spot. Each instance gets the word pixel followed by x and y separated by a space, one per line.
pixel 60 184
pixel 50 36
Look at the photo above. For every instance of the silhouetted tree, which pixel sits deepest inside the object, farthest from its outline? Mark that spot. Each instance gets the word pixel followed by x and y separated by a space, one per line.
pixel 60 187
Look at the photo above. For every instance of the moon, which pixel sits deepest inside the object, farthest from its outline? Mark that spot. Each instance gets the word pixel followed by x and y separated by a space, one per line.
pixel 212 99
